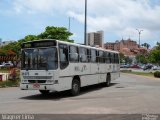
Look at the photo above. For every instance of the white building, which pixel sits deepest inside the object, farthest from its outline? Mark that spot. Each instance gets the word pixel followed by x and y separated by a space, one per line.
pixel 3 43
pixel 95 39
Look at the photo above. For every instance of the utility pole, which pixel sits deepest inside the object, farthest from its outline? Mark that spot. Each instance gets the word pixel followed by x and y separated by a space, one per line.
pixel 85 24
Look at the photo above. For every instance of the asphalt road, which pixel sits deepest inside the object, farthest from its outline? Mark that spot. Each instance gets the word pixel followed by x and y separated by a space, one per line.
pixel 129 94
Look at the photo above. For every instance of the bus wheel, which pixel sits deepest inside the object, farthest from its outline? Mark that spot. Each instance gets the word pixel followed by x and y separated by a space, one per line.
pixel 108 80
pixel 75 87
pixel 44 92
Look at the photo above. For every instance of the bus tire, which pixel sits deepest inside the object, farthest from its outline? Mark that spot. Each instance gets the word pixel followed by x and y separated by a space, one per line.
pixel 108 80
pixel 44 92
pixel 75 90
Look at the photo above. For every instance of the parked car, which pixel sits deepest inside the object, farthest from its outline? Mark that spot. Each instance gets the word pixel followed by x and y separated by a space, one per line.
pixel 125 66
pixel 156 67
pixel 1 66
pixel 147 67
pixel 135 66
pixel 6 65
pixel 142 66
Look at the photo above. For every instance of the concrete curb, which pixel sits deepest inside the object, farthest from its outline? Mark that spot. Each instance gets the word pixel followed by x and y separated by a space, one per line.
pixel 143 76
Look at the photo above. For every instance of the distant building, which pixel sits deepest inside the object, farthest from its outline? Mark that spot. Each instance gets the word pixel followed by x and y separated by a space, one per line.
pixel 119 45
pixel 95 39
pixel 3 43
pixel 127 47
pixel 126 44
pixel 110 45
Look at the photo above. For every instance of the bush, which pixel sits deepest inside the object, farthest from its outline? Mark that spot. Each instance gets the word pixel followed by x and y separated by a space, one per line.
pixel 9 83
pixel 157 74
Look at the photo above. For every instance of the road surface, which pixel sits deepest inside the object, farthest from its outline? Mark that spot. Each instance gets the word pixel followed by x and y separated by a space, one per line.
pixel 129 94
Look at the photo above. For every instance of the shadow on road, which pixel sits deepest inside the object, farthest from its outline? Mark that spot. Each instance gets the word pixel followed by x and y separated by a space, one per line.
pixel 65 94
pixel 92 88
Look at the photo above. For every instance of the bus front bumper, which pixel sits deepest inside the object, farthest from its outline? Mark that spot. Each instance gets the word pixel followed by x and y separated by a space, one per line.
pixel 51 87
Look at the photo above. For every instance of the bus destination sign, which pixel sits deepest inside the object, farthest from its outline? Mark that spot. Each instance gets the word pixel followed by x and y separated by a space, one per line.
pixel 39 44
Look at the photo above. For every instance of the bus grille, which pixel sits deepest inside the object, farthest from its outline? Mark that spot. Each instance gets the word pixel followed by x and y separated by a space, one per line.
pixel 37 77
pixel 37 81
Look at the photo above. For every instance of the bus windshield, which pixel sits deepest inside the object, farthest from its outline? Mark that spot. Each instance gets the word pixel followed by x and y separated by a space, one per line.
pixel 39 59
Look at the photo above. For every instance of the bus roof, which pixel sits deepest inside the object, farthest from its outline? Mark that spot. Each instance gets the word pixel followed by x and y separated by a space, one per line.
pixel 75 44
pixel 86 46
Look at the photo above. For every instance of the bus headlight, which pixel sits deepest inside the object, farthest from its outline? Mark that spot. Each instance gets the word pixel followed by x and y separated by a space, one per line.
pixel 24 81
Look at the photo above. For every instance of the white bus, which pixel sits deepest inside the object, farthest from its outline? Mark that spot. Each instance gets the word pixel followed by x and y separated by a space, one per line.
pixel 52 65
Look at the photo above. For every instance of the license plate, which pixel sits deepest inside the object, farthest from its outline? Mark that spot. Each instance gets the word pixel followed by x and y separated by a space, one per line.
pixel 36 85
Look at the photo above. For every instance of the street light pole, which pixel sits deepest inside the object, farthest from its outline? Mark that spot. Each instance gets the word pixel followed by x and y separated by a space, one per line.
pixel 69 23
pixel 85 24
pixel 139 32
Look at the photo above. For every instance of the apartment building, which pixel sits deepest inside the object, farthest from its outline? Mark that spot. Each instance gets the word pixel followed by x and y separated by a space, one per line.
pixel 95 39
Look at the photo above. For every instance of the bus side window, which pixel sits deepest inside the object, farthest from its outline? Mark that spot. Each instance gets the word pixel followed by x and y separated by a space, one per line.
pixel 109 58
pixel 73 54
pixel 106 57
pixel 89 55
pixel 112 58
pixel 23 64
pixel 101 56
pixel 117 59
pixel 97 56
pixel 63 55
pixel 93 56
pixel 83 54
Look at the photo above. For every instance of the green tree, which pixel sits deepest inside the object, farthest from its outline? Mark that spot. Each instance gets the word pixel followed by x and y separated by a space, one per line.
pixel 14 48
pixel 125 59
pixel 51 32
pixel 122 58
pixel 154 56
pixel 142 58
pixel 30 37
pixel 128 60
pixel 158 46
pixel 146 45
pixel 58 33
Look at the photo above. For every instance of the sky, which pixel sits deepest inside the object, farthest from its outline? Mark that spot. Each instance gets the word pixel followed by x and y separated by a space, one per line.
pixel 117 18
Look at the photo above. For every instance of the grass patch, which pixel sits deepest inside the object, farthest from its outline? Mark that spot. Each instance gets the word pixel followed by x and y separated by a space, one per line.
pixel 126 71
pixel 9 83
pixel 139 73
pixel 4 70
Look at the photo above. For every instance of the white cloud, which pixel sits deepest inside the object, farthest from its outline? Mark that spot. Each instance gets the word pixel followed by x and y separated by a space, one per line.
pixel 46 6
pixel 119 16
